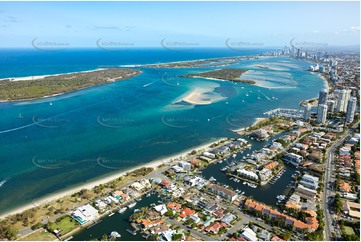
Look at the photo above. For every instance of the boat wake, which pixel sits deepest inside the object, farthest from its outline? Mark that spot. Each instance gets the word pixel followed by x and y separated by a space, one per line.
pixel 146 85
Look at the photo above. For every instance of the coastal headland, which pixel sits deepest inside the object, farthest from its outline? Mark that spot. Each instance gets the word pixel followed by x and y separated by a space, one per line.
pixel 17 89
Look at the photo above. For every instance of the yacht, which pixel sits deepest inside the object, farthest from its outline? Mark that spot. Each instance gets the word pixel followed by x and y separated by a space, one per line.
pixel 114 234
pixel 132 205
pixel 212 179
pixel 122 210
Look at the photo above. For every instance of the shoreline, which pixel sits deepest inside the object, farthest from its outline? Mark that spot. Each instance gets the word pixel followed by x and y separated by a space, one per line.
pixel 40 78
pixel 29 78
pixel 249 126
pixel 102 180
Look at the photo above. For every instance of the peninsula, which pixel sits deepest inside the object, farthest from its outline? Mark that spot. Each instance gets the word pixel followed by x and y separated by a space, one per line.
pixel 229 74
pixel 16 89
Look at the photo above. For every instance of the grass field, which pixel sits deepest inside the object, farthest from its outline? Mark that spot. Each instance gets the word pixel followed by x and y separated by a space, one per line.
pixel 348 230
pixel 65 224
pixel 41 235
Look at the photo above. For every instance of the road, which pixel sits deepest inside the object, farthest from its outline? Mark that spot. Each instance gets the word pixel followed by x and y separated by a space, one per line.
pixel 329 179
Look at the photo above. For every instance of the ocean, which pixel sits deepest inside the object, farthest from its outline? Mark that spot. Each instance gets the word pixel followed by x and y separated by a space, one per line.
pixel 52 144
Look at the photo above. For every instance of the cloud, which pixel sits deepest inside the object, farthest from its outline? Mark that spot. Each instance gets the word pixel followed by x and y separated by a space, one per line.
pixel 355 29
pixel 11 19
pixel 107 27
pixel 68 26
pixel 315 32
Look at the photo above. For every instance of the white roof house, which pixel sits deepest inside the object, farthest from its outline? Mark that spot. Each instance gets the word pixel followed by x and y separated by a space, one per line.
pixel 249 234
pixel 162 209
pixel 85 213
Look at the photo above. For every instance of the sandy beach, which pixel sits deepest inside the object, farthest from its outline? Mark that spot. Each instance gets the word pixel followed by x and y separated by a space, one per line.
pixel 103 180
pixel 29 78
pixel 196 98
pixel 254 123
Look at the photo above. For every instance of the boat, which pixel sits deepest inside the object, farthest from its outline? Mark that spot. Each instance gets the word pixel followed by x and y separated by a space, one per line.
pixel 122 210
pixel 111 214
pixel 2 183
pixel 244 183
pixel 114 234
pixel 138 199
pixel 220 161
pixel 247 94
pixel 242 193
pixel 148 195
pixel 20 116
pixel 132 205
pixel 234 155
pixel 136 210
pixel 131 232
pixel 212 179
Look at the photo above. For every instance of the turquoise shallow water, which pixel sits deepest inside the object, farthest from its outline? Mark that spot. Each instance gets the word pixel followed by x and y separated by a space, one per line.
pixel 70 139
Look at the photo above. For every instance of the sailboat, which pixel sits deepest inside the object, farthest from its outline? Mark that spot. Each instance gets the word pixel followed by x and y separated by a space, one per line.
pixel 20 116
pixel 247 94
pixel 258 97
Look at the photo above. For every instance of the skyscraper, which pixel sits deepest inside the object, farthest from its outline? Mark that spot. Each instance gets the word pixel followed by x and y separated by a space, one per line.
pixel 322 97
pixel 307 112
pixel 342 100
pixel 351 107
pixel 331 105
pixel 322 113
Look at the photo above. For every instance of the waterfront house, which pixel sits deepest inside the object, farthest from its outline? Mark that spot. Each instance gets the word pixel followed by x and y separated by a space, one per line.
pixel 292 158
pixel 247 174
pixel 271 165
pixel 85 213
pixel 209 155
pixel 306 191
pixel 309 181
pixel 161 209
pixel 186 166
pixel 146 223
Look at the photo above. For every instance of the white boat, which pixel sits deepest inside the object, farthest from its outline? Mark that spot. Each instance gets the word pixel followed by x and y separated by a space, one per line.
pixel 136 210
pixel 234 155
pixel 132 205
pixel 115 234
pixel 111 214
pixel 212 179
pixel 122 210
pixel 20 116
pixel 244 183
pixel 2 183
pixel 220 161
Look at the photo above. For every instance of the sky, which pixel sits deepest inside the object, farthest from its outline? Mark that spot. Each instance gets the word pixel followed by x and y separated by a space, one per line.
pixel 200 24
